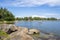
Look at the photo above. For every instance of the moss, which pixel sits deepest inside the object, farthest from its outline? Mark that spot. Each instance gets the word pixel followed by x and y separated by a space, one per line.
pixel 2 33
pixel 36 35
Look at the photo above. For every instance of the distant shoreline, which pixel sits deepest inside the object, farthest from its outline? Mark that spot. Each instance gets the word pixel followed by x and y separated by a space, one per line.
pixel 12 22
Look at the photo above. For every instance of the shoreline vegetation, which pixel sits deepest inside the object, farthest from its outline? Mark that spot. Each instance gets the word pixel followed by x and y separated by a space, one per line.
pixel 7 22
pixel 35 18
pixel 6 15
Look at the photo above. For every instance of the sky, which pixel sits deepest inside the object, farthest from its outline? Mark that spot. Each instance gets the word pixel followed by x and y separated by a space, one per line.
pixel 23 8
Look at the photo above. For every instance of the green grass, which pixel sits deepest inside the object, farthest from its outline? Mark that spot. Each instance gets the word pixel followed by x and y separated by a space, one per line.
pixel 7 22
pixel 2 33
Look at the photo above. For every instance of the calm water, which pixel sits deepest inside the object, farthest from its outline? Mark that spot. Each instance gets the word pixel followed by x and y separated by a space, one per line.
pixel 46 26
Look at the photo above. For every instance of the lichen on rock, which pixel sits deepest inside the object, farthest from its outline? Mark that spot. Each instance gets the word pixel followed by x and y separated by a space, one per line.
pixel 33 31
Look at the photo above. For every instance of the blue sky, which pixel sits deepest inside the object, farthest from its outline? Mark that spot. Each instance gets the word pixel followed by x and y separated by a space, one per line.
pixel 23 8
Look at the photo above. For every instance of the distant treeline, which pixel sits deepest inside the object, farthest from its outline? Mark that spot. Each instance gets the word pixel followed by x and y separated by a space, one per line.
pixel 6 15
pixel 35 18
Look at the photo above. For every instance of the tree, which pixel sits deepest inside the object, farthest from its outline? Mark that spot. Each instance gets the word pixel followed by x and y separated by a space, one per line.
pixel 51 18
pixel 19 18
pixel 6 15
pixel 30 18
pixel 26 18
pixel 36 18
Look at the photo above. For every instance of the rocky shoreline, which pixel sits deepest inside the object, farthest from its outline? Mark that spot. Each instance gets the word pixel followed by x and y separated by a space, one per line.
pixel 22 33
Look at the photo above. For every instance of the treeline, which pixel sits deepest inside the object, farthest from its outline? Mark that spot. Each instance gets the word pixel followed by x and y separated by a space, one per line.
pixel 35 18
pixel 6 15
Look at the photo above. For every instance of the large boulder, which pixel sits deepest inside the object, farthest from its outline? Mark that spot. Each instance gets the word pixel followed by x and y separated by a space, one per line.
pixel 4 27
pixel 13 27
pixel 33 31
pixel 17 33
pixel 20 35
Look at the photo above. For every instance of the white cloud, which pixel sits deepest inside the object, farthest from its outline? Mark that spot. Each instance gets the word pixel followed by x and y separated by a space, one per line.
pixel 31 3
pixel 47 15
pixel 50 14
pixel 38 16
